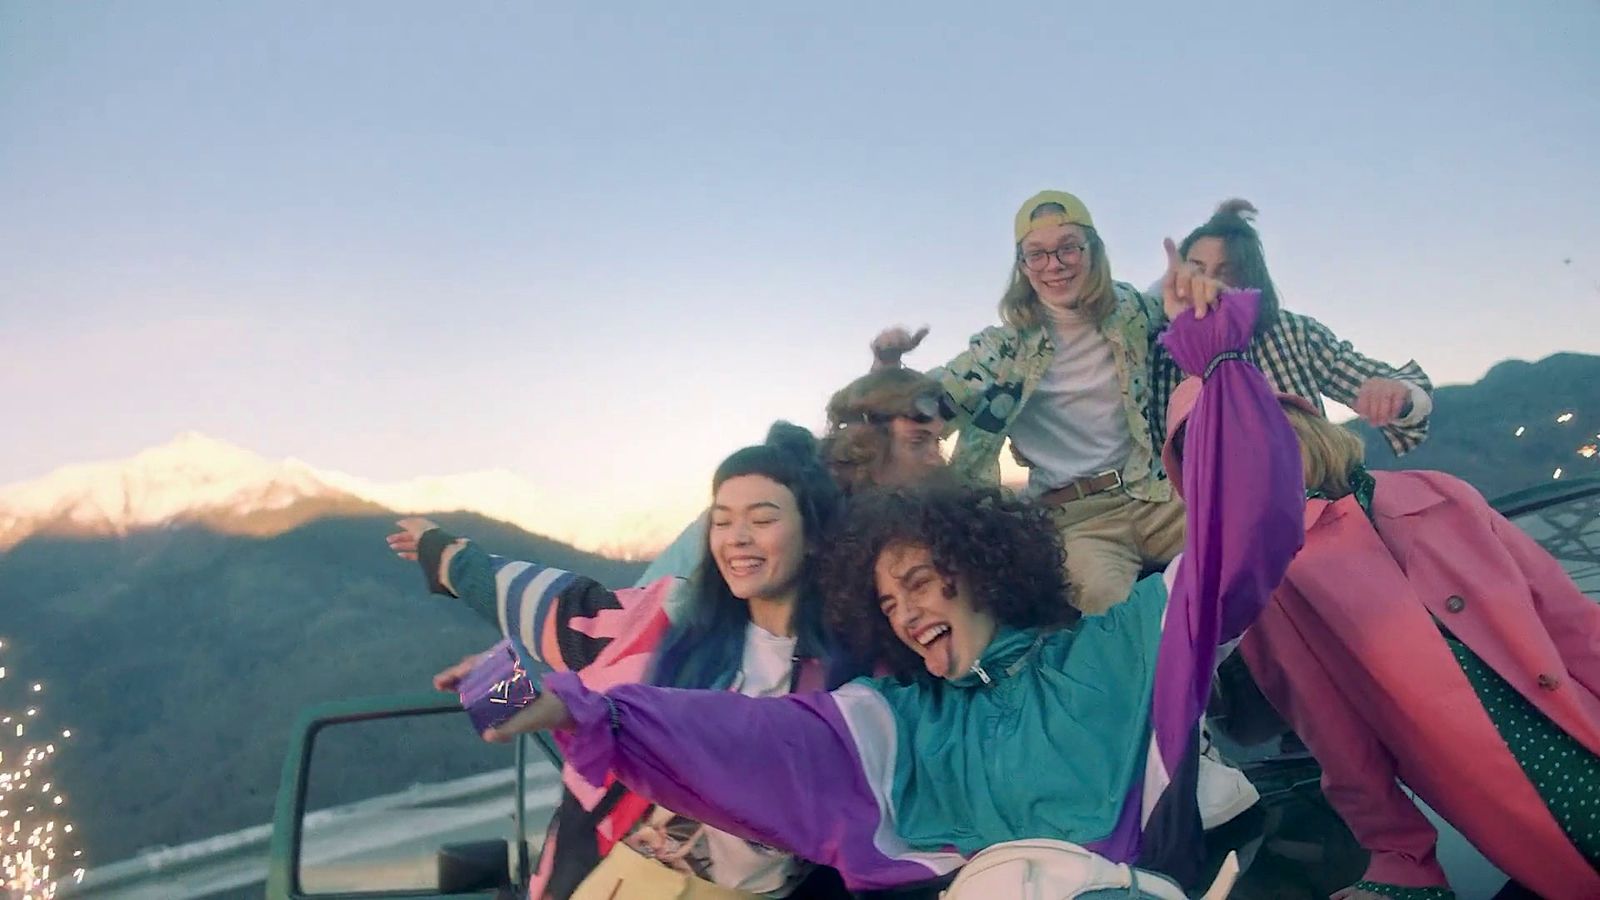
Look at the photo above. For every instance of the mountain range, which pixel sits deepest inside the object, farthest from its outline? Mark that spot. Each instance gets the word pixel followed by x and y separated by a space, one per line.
pixel 199 479
pixel 1523 423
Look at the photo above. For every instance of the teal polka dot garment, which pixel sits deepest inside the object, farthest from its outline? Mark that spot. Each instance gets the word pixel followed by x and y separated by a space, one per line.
pixel 1394 892
pixel 1566 775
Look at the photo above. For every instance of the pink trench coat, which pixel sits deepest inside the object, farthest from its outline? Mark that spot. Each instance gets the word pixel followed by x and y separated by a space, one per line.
pixel 1349 652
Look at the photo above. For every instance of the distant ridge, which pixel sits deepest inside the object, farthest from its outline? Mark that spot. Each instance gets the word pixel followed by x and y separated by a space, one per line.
pixel 1473 431
pixel 198 479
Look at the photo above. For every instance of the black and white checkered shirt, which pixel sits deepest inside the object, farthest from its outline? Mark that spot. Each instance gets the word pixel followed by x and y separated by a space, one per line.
pixel 1302 356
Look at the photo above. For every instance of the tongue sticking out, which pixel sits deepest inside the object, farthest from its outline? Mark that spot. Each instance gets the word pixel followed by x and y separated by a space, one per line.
pixel 940 657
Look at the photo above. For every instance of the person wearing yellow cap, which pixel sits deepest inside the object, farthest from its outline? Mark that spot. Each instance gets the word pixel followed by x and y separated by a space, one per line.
pixel 1066 378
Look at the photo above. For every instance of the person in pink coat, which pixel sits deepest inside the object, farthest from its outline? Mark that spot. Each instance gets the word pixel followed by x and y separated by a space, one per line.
pixel 1420 638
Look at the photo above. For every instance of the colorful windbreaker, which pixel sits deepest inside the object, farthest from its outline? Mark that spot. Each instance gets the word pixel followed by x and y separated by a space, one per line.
pixel 1082 734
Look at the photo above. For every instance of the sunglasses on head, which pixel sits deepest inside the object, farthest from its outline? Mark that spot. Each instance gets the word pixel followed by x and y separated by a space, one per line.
pixel 924 409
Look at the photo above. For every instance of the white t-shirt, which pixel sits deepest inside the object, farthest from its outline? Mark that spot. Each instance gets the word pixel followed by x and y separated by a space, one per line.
pixel 768 667
pixel 699 849
pixel 1074 424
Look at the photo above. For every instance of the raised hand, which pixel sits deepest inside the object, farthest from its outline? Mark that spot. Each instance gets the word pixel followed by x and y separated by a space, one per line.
pixel 893 343
pixel 404 541
pixel 1186 287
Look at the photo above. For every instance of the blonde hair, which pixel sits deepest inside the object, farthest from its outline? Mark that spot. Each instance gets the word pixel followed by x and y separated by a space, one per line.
pixel 1327 451
pixel 1020 306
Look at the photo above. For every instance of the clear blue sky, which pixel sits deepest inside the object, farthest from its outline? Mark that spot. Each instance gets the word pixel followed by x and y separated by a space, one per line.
pixel 609 245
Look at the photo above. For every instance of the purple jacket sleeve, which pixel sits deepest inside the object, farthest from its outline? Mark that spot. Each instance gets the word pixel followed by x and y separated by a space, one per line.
pixel 1245 492
pixel 770 754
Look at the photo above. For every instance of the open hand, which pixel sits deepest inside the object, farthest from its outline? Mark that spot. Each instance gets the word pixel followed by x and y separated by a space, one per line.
pixel 1186 287
pixel 893 343
pixel 1380 401
pixel 543 714
pixel 404 541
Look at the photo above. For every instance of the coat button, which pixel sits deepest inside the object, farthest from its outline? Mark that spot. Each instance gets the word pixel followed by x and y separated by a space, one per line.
pixel 1549 682
pixel 1455 604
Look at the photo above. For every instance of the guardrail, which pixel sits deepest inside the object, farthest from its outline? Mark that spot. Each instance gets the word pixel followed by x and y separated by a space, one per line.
pixel 157 866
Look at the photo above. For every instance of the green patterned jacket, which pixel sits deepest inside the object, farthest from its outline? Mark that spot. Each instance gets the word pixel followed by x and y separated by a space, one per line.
pixel 988 385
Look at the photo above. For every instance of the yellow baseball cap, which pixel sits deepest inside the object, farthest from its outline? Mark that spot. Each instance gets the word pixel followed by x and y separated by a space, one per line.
pixel 1076 213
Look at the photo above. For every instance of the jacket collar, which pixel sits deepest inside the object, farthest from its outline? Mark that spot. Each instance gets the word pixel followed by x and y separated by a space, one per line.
pixel 1002 659
pixel 1395 497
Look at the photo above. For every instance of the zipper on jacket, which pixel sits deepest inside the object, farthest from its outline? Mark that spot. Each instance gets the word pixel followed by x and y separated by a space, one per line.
pixel 977 669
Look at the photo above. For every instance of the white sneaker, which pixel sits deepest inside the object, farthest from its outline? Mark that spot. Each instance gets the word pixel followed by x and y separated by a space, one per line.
pixel 1223 792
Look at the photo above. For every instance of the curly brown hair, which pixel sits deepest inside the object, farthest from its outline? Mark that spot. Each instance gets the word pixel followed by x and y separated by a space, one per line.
pixel 1006 550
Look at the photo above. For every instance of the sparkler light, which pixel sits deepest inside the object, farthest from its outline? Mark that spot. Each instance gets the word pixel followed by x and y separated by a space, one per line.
pixel 31 806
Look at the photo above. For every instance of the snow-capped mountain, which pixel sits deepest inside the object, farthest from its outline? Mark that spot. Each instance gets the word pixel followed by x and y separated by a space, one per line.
pixel 198 478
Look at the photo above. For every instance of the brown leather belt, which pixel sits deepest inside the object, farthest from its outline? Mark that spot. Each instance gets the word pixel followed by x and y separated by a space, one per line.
pixel 1087 486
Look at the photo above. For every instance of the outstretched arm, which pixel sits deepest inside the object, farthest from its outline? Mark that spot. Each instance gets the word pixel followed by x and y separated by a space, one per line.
pixel 1358 773
pixel 808 773
pixel 1395 400
pixel 1246 499
pixel 554 619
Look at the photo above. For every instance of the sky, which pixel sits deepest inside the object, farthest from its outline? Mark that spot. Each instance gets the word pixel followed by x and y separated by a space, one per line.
pixel 603 246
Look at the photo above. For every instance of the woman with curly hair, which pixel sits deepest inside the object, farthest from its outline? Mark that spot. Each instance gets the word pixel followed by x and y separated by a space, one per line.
pixel 1008 718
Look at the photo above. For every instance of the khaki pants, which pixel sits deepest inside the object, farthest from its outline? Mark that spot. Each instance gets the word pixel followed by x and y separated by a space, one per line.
pixel 1109 539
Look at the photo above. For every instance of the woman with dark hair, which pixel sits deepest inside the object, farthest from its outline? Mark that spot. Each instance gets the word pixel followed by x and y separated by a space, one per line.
pixel 1422 639
pixel 883 429
pixel 1298 354
pixel 749 622
pixel 1012 730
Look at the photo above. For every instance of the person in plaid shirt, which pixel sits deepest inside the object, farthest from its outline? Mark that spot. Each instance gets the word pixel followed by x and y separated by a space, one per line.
pixel 1298 354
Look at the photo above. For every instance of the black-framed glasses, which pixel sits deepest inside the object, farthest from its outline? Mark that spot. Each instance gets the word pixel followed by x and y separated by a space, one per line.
pixel 1067 254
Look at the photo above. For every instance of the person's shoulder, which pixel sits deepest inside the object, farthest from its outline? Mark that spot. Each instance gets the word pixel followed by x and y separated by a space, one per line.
pixel 1293 323
pixel 1418 484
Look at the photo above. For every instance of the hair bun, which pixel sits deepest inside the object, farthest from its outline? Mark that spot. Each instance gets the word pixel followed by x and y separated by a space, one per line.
pixel 792 440
pixel 1239 208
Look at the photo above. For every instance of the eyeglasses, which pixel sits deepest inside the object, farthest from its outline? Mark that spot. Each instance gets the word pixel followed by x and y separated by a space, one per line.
pixel 1036 260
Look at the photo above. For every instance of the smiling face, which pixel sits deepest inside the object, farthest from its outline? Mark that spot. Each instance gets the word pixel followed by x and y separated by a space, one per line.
pixel 1058 277
pixel 757 538
pixel 932 616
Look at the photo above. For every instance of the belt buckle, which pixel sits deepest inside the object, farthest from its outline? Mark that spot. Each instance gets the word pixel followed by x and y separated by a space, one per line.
pixel 1116 475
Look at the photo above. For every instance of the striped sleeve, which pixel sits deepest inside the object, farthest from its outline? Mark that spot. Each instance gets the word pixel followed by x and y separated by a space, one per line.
pixel 1341 370
pixel 555 620
pixel 752 766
